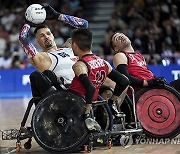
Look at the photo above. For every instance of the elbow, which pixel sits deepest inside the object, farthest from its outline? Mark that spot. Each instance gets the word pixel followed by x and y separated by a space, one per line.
pixel 126 81
pixel 92 89
pixel 86 23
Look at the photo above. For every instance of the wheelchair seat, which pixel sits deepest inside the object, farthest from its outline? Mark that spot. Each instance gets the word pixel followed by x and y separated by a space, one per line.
pixel 158 110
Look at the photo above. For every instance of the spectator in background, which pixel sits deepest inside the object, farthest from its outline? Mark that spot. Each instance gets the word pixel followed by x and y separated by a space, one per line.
pixel 6 60
pixel 148 25
pixel 17 62
pixel 105 48
pixel 8 19
pixel 14 38
pixel 3 46
pixel 4 37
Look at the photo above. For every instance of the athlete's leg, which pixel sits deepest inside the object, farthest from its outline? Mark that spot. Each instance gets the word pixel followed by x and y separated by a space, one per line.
pixel 54 79
pixel 106 92
pixel 40 84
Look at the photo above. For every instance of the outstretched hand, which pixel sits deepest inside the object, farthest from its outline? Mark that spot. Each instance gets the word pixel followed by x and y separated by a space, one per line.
pixel 51 14
pixel 156 81
pixel 67 44
pixel 152 82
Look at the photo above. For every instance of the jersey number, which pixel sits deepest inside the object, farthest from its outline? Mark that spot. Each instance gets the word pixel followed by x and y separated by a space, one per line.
pixel 100 77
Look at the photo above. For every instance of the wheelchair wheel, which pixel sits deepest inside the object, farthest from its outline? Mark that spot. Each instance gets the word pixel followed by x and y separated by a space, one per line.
pixel 103 116
pixel 57 122
pixel 158 110
pixel 127 108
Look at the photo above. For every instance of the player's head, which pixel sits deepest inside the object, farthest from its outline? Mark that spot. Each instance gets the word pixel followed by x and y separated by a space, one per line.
pixel 81 40
pixel 119 41
pixel 44 37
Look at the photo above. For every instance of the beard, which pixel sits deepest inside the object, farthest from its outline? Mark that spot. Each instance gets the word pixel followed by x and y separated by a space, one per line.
pixel 48 44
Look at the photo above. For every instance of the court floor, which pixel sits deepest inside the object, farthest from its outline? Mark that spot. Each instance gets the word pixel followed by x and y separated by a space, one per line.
pixel 12 111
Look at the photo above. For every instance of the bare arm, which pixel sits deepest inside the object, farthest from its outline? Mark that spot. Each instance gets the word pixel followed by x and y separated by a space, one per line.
pixel 67 44
pixel 81 71
pixel 80 68
pixel 39 60
pixel 120 58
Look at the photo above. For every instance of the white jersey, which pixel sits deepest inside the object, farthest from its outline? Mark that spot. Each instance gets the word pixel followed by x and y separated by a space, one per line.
pixel 62 61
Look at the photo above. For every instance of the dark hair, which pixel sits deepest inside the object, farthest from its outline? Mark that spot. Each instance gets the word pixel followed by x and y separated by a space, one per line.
pixel 83 38
pixel 111 42
pixel 39 27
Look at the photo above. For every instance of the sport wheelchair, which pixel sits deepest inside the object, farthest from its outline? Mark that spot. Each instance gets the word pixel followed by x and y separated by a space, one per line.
pixel 57 124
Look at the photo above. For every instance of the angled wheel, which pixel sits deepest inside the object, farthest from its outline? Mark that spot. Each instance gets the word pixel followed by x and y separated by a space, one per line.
pixel 28 144
pixel 104 117
pixel 109 143
pixel 158 110
pixel 57 122
pixel 18 147
pixel 127 108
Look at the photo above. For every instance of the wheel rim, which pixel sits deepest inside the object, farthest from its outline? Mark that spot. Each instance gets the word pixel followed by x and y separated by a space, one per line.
pixel 158 111
pixel 57 122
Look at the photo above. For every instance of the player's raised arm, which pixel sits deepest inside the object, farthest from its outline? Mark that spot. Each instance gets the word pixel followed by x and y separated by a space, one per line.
pixel 27 46
pixel 76 22
pixel 38 59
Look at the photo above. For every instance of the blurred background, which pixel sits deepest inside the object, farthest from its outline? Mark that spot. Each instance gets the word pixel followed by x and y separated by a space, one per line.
pixel 152 25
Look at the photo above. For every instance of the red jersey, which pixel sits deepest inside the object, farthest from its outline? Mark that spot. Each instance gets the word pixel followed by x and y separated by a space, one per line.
pixel 97 73
pixel 137 67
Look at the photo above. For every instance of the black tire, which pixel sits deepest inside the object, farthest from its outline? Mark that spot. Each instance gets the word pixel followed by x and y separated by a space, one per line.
pixel 164 99
pixel 104 117
pixel 57 123
pixel 127 108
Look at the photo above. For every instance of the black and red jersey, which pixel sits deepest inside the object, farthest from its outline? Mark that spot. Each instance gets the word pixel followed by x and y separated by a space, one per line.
pixel 97 73
pixel 137 67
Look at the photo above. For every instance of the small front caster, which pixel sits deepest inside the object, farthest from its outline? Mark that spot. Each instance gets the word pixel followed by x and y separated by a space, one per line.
pixel 109 143
pixel 18 146
pixel 28 144
pixel 88 148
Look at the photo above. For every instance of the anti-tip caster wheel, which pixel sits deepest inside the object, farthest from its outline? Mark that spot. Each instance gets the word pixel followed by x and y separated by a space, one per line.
pixel 87 148
pixel 28 144
pixel 109 143
pixel 18 147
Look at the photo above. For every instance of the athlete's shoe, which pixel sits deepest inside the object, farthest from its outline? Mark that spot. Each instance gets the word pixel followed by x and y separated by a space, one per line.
pixel 114 110
pixel 92 124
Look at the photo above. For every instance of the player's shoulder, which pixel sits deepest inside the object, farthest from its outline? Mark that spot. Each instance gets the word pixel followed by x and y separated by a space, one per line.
pixel 120 55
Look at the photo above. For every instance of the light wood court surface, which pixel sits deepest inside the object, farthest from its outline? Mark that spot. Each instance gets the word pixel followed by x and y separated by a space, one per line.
pixel 12 111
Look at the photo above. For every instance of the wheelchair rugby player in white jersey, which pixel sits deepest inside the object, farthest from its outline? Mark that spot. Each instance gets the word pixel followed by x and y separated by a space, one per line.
pixel 52 63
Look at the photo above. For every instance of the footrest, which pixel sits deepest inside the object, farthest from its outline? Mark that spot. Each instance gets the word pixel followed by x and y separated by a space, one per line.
pixel 10 134
pixel 25 132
